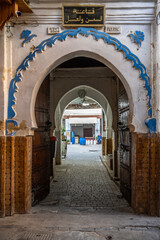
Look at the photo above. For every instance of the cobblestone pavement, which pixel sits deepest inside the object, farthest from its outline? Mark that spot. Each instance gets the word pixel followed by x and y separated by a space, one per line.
pixel 84 204
pixel 83 181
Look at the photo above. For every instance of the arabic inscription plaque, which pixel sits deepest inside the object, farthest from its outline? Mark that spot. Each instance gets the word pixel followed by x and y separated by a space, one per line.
pixel 83 15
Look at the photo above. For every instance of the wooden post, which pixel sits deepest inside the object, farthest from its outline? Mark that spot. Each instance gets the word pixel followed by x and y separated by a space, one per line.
pixel 2 174
pixel 15 175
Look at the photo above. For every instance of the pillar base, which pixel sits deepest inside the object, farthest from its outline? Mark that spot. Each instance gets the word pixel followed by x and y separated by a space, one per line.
pixel 146 173
pixel 15 175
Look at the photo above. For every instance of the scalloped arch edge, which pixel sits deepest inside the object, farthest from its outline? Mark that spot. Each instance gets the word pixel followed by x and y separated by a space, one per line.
pixel 150 122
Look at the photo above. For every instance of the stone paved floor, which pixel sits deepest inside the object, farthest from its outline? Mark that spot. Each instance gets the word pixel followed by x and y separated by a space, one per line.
pixel 83 181
pixel 84 204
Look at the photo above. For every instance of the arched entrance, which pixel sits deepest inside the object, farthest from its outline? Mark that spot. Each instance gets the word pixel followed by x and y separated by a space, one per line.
pixel 102 84
pixel 21 117
pixel 81 42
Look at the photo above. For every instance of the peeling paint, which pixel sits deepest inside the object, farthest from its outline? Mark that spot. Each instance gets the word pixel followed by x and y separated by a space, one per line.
pixel 32 48
pixel 11 127
pixel 2 126
pixel 9 71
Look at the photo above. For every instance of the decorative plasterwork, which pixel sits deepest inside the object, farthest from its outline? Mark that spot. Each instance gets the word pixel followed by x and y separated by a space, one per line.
pixel 150 122
pixel 137 37
pixel 26 34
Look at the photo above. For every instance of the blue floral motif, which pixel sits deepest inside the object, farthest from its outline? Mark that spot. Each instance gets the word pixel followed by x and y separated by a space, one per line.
pixel 28 36
pixel 73 33
pixel 137 37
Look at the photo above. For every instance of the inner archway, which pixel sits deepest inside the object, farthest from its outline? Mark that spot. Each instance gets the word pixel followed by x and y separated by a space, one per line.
pixel 113 94
pixel 81 92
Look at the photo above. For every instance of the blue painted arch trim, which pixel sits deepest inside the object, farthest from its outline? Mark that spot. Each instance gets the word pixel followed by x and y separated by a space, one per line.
pixel 85 32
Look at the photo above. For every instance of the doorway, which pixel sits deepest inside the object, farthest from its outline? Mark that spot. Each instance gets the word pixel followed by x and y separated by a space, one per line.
pixel 76 72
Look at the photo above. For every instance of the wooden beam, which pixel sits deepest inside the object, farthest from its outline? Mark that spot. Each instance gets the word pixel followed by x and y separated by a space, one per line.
pixel 7 11
pixel 7 1
pixel 23 6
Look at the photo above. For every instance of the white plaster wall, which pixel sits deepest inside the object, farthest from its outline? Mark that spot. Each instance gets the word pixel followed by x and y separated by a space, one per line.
pixel 41 31
pixel 2 76
pixel 109 123
pixel 156 66
pixel 130 16
pixel 6 74
pixel 82 46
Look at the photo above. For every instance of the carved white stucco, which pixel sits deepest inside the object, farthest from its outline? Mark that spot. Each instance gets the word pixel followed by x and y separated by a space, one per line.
pixel 88 47
pixel 139 15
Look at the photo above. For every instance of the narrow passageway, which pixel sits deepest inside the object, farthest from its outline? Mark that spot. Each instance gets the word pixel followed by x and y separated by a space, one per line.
pixel 82 181
pixel 82 205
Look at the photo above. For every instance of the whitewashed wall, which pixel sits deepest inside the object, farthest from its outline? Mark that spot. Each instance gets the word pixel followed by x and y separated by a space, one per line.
pixel 131 16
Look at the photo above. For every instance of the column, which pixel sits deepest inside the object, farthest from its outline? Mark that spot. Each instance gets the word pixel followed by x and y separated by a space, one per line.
pixel 156 65
pixel 104 149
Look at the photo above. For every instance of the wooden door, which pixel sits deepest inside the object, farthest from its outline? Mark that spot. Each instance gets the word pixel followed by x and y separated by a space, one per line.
pixel 87 132
pixel 124 145
pixel 41 145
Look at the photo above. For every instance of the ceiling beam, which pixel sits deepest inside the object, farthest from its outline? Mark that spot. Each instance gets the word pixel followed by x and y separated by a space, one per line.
pixel 23 6
pixel 9 8
pixel 6 1
pixel 7 11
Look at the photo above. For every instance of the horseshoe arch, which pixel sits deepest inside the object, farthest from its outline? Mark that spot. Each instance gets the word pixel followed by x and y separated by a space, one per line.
pixel 81 42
